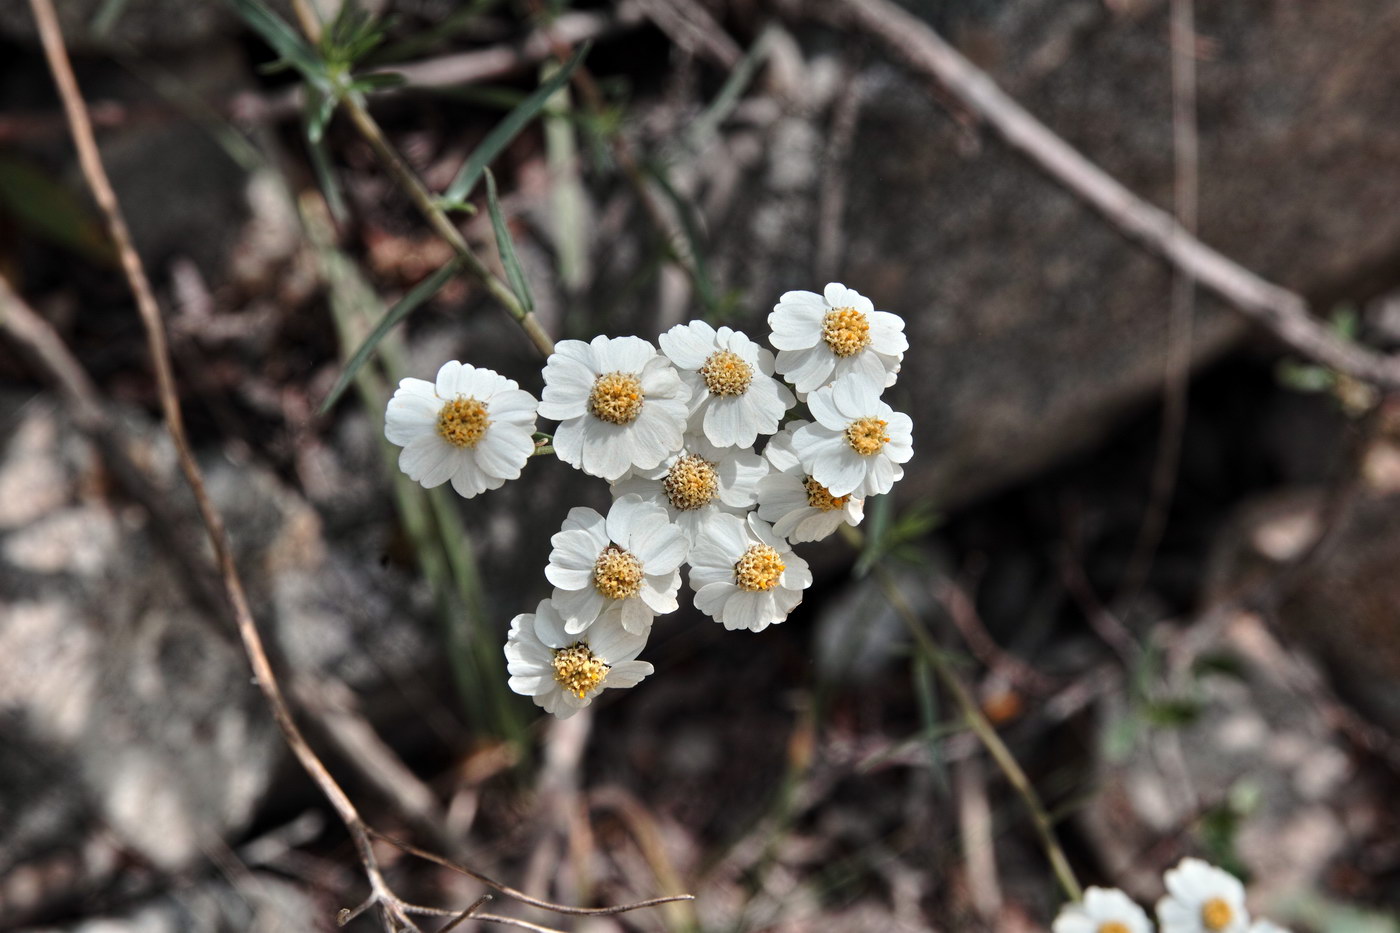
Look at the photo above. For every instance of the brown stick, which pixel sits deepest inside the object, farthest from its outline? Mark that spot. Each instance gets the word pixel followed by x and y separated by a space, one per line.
pixel 1284 313
pixel 91 162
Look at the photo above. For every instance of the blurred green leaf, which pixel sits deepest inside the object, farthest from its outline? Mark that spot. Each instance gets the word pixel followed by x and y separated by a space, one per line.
pixel 1346 322
pixel 319 110
pixel 891 535
pixel 285 41
pixel 42 206
pixel 351 35
pixel 514 273
pixel 508 129
pixel 704 126
pixel 1172 713
pixel 377 81
pixel 695 241
pixel 1304 377
pixel 401 309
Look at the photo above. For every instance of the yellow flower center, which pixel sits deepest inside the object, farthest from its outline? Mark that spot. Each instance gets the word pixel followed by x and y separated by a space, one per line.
pixel 577 670
pixel 616 398
pixel 726 374
pixel 1216 914
pixel 846 331
pixel 819 497
pixel 691 483
pixel 1113 926
pixel 867 435
pixel 759 569
pixel 462 422
pixel 617 573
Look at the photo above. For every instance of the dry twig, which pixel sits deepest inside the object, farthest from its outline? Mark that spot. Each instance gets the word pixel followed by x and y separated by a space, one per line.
pixel 394 911
pixel 1282 312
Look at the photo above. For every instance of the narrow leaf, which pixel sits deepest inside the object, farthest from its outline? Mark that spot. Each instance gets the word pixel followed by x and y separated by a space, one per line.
pixel 507 246
pixel 509 128
pixel 695 241
pixel 284 40
pixel 405 305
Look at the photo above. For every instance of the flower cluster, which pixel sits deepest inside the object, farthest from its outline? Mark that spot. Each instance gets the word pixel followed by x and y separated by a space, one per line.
pixel 673 430
pixel 1200 898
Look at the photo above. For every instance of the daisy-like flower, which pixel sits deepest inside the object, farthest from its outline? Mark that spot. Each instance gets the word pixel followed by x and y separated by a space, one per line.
pixel 472 426
pixel 1202 899
pixel 620 404
pixel 624 568
pixel 744 576
pixel 564 672
pixel 698 483
pixel 798 507
pixel 821 338
pixel 1103 910
pixel 734 397
pixel 858 443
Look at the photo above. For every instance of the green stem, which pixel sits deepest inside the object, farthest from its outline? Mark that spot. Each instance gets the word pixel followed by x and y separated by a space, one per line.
pixel 979 724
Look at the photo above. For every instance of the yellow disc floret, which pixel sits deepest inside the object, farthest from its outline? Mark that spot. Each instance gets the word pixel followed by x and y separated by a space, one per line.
pixel 819 497
pixel 759 569
pixel 691 483
pixel 577 670
pixel 846 331
pixel 726 374
pixel 617 573
pixel 1113 926
pixel 616 398
pixel 867 435
pixel 1216 914
pixel 462 422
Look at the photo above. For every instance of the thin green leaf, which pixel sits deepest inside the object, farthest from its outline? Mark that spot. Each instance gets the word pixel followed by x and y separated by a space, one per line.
pixel 695 240
pixel 704 126
pixel 325 176
pixel 377 81
pixel 405 305
pixel 284 40
pixel 509 128
pixel 507 246
pixel 319 109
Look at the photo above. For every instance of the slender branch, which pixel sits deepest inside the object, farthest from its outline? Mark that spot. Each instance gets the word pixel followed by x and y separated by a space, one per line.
pixel 1282 312
pixel 521 896
pixel 91 162
pixel 1182 322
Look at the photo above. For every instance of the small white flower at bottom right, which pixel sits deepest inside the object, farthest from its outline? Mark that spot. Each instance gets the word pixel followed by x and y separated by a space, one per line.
pixel 1202 899
pixel 1103 910
pixel 745 576
pixel 858 443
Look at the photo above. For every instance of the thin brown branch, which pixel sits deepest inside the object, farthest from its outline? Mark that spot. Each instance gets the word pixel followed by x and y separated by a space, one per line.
pixel 1282 312
pixel 1182 322
pixel 96 176
pixel 690 26
pixel 521 896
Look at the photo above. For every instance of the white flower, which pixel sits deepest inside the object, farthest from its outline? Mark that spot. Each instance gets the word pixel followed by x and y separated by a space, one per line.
pixel 821 338
pixel 621 404
pixel 798 507
pixel 1103 910
pixel 1202 899
pixel 563 672
pixel 474 427
pixel 698 483
pixel 625 568
pixel 744 575
pixel 734 397
pixel 858 443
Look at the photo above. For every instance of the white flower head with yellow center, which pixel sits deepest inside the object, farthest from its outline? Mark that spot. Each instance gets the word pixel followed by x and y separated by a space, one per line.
pixel 1103 910
pixel 734 397
pixel 745 576
pixel 820 338
pixel 858 443
pixel 563 672
pixel 798 507
pixel 472 426
pixel 624 568
pixel 620 404
pixel 698 483
pixel 1202 899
